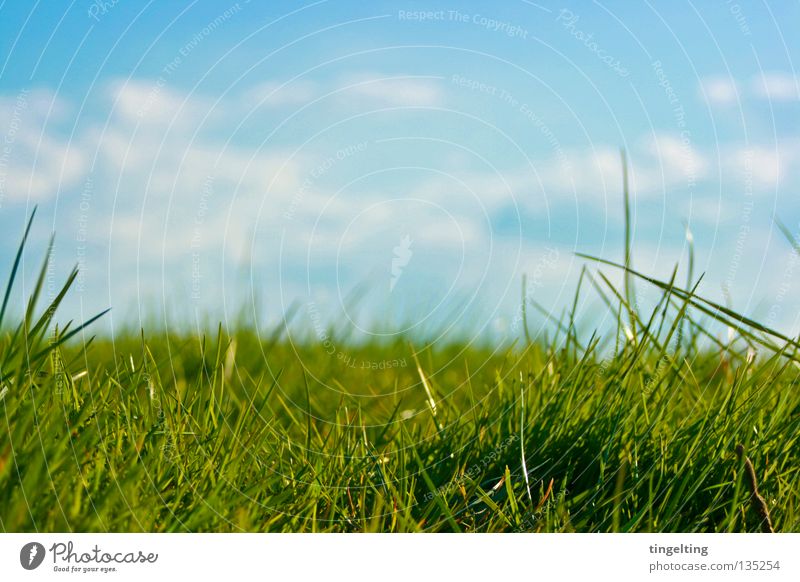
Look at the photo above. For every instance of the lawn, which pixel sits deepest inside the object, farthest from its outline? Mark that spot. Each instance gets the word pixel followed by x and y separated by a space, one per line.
pixel 243 430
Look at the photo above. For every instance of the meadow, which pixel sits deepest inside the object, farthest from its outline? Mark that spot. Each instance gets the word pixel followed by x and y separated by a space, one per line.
pixel 658 427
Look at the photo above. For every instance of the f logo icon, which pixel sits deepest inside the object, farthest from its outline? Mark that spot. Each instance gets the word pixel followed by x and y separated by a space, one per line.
pixel 31 555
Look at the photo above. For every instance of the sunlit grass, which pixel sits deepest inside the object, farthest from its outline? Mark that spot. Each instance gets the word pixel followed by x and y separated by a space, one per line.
pixel 245 431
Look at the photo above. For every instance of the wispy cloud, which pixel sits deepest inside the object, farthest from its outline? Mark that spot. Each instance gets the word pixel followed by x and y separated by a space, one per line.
pixel 41 167
pixel 764 167
pixel 392 91
pixel 771 85
pixel 776 86
pixel 185 204
pixel 36 163
pixel 719 90
pixel 153 103
pixel 656 163
pixel 276 94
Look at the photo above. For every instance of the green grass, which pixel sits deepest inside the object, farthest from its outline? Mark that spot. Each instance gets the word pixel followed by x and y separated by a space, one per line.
pixel 241 430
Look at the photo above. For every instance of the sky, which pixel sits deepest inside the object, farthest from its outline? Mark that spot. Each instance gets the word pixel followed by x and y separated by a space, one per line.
pixel 395 167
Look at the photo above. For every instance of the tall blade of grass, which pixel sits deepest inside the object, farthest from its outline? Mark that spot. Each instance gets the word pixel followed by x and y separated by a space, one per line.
pixel 428 393
pixel 522 438
pixel 690 243
pixel 628 242
pixel 45 319
pixel 438 496
pixel 789 236
pixel 37 289
pixel 66 337
pixel 699 301
pixel 308 415
pixel 15 266
pixel 525 309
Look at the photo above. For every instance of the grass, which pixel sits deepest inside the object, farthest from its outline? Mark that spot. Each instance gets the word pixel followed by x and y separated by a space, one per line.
pixel 241 430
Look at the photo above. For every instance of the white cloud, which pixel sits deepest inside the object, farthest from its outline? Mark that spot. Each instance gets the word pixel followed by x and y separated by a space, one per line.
pixel 392 91
pixel 156 180
pixel 719 90
pixel 275 94
pixel 655 164
pixel 766 165
pixel 33 105
pixel 776 86
pixel 156 103
pixel 709 211
pixel 58 165
pixel 677 160
pixel 587 174
pixel 763 166
pixel 35 163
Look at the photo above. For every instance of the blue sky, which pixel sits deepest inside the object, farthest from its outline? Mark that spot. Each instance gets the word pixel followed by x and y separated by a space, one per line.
pixel 393 165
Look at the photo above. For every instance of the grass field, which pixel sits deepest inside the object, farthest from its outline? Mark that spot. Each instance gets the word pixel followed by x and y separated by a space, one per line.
pixel 241 430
